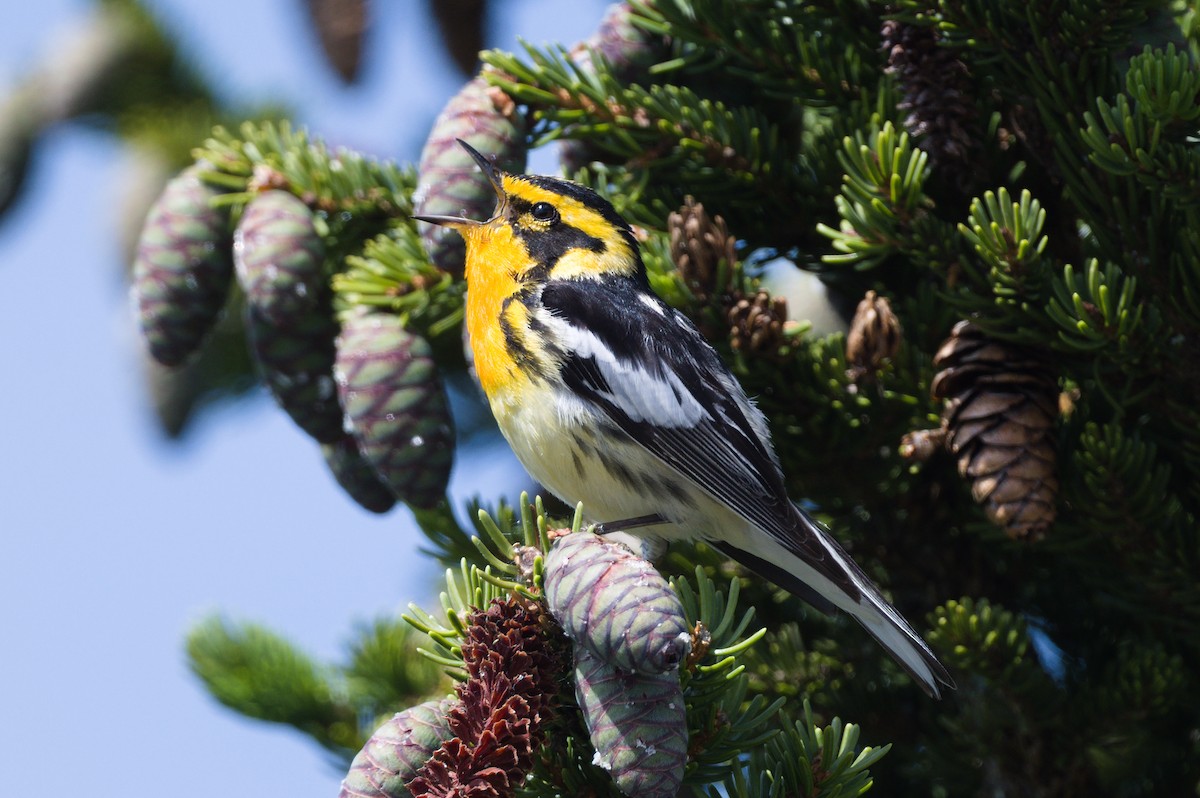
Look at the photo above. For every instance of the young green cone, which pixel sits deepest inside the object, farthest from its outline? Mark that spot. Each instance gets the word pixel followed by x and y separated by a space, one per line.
pixel 296 362
pixel 628 49
pixel 356 476
pixel 450 182
pixel 630 52
pixel 397 411
pixel 182 270
pixel 397 750
pixel 637 723
pixel 278 254
pixel 615 604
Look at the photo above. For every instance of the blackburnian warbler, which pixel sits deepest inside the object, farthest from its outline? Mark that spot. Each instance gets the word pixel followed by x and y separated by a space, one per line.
pixel 610 397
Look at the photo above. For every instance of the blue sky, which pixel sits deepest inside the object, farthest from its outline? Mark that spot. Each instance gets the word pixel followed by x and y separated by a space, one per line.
pixel 113 541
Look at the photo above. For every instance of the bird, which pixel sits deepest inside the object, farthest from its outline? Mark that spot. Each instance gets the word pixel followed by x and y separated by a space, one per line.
pixel 610 397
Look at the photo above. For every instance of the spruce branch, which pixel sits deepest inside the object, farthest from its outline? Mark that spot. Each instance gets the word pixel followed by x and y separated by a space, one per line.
pixel 666 135
pixel 1099 311
pixel 806 760
pixel 256 672
pixel 787 50
pixel 645 122
pixel 882 198
pixel 341 183
pixel 382 670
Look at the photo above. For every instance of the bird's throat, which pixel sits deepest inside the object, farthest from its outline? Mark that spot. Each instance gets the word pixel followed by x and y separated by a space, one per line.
pixel 493 289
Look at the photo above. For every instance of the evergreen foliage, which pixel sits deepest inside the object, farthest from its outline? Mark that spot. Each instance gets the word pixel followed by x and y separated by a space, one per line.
pixel 821 135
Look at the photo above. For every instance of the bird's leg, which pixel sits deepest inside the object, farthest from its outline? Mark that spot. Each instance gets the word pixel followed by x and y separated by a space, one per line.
pixel 648 548
pixel 626 524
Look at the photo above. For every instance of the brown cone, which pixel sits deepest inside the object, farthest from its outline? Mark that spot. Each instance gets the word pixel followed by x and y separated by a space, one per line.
pixel 874 335
pixel 699 243
pixel 756 323
pixel 937 94
pixel 341 26
pixel 1001 401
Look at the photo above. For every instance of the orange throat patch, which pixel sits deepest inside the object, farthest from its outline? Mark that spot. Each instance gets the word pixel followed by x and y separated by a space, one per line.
pixel 490 281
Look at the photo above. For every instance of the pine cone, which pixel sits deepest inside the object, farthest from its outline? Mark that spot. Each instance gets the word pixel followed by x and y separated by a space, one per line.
pixel 874 335
pixel 341 26
pixel 615 604
pixel 356 476
pixel 397 750
pixel 698 244
pixel 278 254
pixel 637 724
pixel 513 670
pixel 756 324
pixel 450 182
pixel 389 388
pixel 1001 403
pixel 296 362
pixel 182 270
pixel 937 95
pixel 460 23
pixel 630 52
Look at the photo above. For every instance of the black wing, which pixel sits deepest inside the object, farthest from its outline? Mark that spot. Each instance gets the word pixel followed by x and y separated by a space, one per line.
pixel 652 373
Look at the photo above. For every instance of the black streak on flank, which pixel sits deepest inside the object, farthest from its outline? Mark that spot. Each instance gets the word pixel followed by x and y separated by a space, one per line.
pixel 669 487
pixel 618 469
pixel 515 343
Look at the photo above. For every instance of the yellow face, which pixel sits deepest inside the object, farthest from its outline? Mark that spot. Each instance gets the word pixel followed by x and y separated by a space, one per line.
pixel 542 229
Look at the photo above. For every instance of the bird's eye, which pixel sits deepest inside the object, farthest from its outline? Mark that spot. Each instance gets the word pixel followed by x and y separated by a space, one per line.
pixel 544 212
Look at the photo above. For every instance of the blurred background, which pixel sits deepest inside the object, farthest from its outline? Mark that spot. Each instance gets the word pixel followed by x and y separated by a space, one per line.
pixel 122 520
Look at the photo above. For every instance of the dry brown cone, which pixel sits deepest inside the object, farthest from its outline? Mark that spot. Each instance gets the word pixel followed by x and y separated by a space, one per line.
pixel 461 24
pixel 341 26
pixel 756 323
pixel 699 243
pixel 937 94
pixel 1001 401
pixel 874 336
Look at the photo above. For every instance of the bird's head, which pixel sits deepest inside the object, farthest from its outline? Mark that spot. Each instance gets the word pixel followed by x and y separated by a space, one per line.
pixel 545 228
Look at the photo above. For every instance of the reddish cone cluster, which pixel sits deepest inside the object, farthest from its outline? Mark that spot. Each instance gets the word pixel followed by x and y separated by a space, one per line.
pixel 499 720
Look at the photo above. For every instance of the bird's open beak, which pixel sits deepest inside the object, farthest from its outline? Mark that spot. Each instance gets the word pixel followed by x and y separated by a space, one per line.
pixel 493 176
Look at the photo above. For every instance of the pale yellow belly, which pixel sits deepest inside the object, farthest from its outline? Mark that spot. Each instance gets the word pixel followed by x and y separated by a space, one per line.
pixel 577 458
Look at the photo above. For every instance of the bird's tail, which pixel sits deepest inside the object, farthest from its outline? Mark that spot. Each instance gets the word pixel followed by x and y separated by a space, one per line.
pixel 819 571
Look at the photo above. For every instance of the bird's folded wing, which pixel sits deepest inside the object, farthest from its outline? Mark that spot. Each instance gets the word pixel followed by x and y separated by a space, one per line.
pixel 649 370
